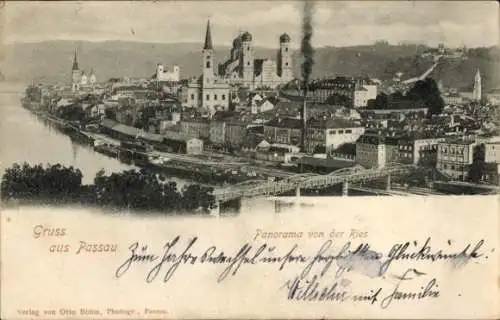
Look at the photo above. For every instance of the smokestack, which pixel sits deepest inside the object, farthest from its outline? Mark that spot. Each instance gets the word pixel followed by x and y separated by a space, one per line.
pixel 307 53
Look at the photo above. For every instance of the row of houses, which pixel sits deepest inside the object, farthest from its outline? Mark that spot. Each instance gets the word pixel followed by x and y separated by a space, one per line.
pixel 170 141
pixel 326 134
pixel 451 156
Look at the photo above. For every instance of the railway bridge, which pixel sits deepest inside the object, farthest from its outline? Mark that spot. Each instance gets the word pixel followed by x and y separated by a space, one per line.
pixel 311 181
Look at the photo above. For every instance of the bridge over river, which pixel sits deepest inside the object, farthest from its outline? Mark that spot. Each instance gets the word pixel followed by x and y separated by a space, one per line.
pixel 312 181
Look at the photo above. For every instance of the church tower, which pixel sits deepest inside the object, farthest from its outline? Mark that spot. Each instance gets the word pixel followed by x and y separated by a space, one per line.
pixel 248 58
pixel 76 75
pixel 476 93
pixel 285 59
pixel 208 58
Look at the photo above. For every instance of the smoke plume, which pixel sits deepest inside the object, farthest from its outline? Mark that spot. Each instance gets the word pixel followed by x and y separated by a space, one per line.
pixel 307 53
pixel 306 48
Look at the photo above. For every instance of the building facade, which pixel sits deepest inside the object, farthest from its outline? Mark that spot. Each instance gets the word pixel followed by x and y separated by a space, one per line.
pixel 195 128
pixel 371 151
pixel 235 133
pixel 492 152
pixel 283 131
pixel 418 150
pixel 194 146
pixel 331 133
pixel 454 157
pixel 217 132
pixel 163 74
pixel 364 93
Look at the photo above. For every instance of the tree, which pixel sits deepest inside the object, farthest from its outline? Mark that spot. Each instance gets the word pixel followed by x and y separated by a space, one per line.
pixel 477 167
pixel 427 92
pixel 141 190
pixel 51 183
pixel 381 101
pixel 196 197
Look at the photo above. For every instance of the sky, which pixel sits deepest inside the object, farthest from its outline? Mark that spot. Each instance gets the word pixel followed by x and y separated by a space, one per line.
pixel 336 23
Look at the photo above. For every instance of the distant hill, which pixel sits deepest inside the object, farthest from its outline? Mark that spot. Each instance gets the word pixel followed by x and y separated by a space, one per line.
pixel 52 60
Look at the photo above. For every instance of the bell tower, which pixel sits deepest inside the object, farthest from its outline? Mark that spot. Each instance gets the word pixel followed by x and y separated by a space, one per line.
pixel 76 75
pixel 208 58
pixel 248 58
pixel 285 59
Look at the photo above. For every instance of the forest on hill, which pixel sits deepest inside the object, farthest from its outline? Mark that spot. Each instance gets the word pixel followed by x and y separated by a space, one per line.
pixel 50 61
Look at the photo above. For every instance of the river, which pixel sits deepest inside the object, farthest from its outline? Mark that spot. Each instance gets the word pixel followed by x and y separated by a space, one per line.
pixel 26 138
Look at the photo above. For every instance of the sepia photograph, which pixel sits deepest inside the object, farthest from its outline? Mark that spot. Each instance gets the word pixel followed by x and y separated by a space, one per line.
pixel 198 115
pixel 165 112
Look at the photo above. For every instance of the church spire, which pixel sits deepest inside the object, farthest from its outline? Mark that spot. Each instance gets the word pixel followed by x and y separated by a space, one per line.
pixel 208 38
pixel 478 75
pixel 75 63
pixel 476 92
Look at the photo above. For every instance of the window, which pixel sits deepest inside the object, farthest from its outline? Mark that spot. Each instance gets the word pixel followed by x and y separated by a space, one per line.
pixel 192 96
pixel 248 48
pixel 286 64
pixel 348 131
pixel 215 97
pixel 223 97
pixel 341 131
pixel 208 97
pixel 286 49
pixel 208 64
pixel 248 63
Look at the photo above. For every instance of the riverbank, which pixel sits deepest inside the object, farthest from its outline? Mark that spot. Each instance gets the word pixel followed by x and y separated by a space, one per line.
pixel 201 169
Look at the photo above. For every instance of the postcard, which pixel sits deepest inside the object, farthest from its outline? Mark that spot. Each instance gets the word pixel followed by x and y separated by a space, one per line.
pixel 249 160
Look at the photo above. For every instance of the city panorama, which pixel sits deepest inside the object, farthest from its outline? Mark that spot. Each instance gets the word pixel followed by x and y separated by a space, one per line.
pixel 245 101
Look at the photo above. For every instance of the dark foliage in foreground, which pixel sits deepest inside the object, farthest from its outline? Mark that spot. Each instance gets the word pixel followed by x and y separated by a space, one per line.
pixel 131 189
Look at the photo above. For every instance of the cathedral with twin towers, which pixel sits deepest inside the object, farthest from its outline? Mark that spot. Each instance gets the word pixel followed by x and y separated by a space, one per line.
pixel 241 69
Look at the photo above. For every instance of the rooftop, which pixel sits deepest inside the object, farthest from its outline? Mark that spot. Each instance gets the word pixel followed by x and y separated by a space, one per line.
pixel 461 141
pixel 374 139
pixel 285 123
pixel 332 123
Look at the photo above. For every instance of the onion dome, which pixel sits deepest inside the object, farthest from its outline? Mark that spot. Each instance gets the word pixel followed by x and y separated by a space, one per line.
pixel 246 37
pixel 284 38
pixel 236 42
